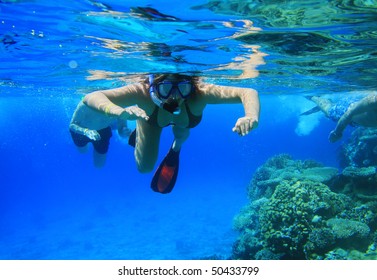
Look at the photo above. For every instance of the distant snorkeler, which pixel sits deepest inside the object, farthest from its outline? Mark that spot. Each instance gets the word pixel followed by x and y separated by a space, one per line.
pixel 161 100
pixel 90 126
pixel 353 109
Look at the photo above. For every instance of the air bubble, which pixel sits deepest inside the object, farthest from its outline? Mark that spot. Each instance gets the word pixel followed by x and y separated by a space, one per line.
pixel 73 64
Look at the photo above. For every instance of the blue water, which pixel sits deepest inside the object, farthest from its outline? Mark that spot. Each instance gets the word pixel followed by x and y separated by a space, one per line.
pixel 55 205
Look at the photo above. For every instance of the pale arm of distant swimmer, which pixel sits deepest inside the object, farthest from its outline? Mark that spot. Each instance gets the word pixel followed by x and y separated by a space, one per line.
pixel 91 134
pixel 353 110
pixel 248 97
pixel 113 103
pixel 76 123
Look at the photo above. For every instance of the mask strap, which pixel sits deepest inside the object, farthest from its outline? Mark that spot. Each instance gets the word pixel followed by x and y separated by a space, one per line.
pixel 152 92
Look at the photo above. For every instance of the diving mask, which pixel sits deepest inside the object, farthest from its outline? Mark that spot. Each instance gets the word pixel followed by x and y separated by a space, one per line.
pixel 165 89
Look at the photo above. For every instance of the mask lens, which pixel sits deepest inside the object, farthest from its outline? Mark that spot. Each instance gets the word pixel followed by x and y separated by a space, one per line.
pixel 164 89
pixel 185 89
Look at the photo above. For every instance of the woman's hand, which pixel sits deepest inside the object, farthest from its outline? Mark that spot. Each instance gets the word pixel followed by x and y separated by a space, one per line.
pixel 244 125
pixel 133 113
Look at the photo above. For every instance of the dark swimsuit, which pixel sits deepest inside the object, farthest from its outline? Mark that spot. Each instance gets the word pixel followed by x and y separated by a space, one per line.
pixel 193 119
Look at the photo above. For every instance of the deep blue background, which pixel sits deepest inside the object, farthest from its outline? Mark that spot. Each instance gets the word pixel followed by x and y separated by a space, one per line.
pixel 55 205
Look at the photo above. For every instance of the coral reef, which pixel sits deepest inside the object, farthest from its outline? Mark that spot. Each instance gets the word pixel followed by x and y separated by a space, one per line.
pixel 358 158
pixel 282 167
pixel 361 149
pixel 303 210
pixel 357 172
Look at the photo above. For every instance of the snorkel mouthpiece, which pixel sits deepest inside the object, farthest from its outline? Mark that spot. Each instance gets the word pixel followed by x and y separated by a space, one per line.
pixel 169 105
pixel 172 106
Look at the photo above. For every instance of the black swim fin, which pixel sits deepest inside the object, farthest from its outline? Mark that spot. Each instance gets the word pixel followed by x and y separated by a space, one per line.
pixel 132 138
pixel 166 175
pixel 311 111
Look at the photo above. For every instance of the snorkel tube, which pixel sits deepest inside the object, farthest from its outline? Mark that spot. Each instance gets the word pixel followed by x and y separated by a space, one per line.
pixel 169 105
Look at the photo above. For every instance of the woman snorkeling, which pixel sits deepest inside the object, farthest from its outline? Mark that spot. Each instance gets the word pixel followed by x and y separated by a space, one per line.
pixel 176 100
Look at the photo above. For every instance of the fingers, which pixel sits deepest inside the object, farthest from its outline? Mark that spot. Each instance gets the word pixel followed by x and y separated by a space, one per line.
pixel 240 130
pixel 139 113
pixel 135 112
pixel 142 115
pixel 244 126
pixel 93 135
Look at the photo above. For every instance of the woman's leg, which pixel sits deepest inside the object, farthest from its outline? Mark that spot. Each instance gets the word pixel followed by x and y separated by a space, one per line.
pixel 147 145
pixel 180 134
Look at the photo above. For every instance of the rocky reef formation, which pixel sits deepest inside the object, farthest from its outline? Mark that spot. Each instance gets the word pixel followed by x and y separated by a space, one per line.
pixel 358 159
pixel 361 149
pixel 303 210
